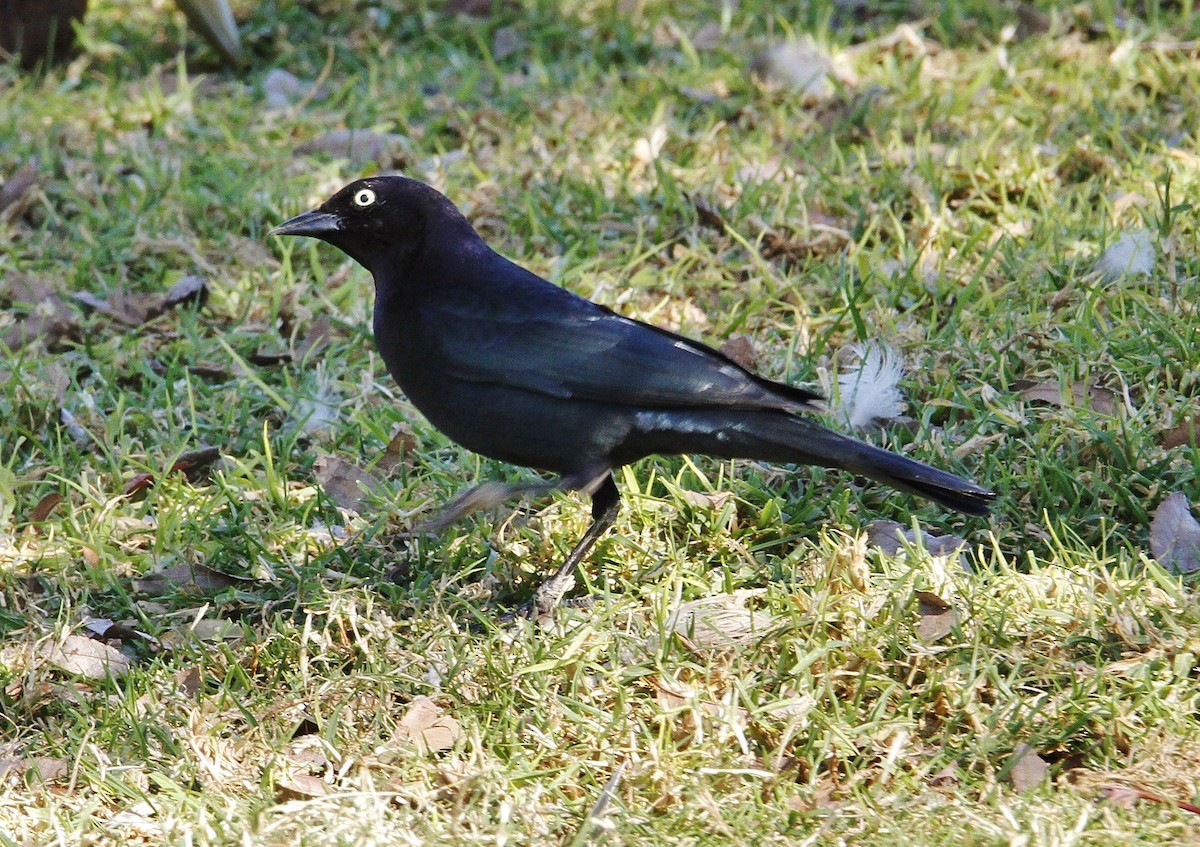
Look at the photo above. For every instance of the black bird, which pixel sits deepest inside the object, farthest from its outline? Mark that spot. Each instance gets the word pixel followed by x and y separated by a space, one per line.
pixel 512 366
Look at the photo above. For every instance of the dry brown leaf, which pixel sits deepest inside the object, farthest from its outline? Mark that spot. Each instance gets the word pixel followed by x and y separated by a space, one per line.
pixel 505 42
pixel 1186 433
pixel 190 681
pixel 345 483
pixel 1175 535
pixel 707 215
pixel 1029 770
pixel 359 147
pixel 403 442
pixel 46 768
pixel 300 786
pixel 947 776
pixel 472 8
pixel 84 657
pixel 719 622
pixel 427 727
pixel 741 349
pixel 44 507
pixel 1098 399
pixel 192 289
pixel 17 187
pixel 315 340
pixel 714 500
pixel 890 537
pixel 193 577
pixel 937 617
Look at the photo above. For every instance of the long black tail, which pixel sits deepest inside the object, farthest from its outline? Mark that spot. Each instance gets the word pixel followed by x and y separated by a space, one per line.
pixel 782 437
pixel 811 443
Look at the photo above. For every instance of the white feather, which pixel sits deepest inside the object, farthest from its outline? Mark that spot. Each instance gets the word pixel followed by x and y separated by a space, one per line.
pixel 870 391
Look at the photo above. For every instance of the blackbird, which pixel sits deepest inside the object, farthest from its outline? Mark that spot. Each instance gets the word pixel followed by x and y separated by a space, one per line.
pixel 516 368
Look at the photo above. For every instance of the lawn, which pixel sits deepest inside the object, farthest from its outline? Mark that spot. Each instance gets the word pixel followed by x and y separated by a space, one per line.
pixel 215 627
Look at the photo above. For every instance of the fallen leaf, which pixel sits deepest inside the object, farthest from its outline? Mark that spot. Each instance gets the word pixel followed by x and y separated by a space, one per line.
pixel 359 147
pixel 707 214
pixel 708 37
pixel 192 577
pixel 947 776
pixel 1029 770
pixel 718 622
pixel 315 340
pixel 300 786
pixel 137 484
pixel 44 507
pixel 191 462
pixel 711 500
pixel 192 288
pixel 505 42
pixel 403 441
pixel 17 187
pixel 190 681
pixel 741 349
pixel 345 483
pixel 84 657
pixel 45 768
pixel 282 88
pixel 1186 433
pixel 471 8
pixel 1102 400
pixel 890 538
pixel 1175 535
pixel 427 726
pixel 938 617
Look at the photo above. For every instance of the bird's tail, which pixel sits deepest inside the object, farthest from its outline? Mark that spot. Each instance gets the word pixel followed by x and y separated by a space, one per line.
pixel 782 437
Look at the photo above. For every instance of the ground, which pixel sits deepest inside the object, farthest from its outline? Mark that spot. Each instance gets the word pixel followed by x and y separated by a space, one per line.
pixel 216 628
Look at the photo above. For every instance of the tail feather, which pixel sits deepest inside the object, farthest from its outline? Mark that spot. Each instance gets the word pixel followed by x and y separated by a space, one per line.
pixel 790 438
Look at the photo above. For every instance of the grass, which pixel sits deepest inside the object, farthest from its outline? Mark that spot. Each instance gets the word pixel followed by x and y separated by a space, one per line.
pixel 950 197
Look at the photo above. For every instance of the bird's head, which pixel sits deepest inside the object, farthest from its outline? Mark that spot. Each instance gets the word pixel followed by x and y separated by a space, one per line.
pixel 381 222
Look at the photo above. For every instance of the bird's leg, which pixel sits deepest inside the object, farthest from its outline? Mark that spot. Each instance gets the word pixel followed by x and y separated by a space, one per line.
pixel 606 502
pixel 489 495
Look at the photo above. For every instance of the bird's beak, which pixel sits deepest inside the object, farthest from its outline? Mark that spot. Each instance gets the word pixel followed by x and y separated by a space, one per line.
pixel 316 223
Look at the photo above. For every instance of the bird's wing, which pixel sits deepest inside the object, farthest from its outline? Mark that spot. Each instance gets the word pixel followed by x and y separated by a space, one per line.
pixel 547 340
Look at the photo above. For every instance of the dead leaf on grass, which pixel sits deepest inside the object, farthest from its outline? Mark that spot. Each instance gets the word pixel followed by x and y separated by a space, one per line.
pixel 938 617
pixel 82 656
pixel 1186 433
pixel 45 768
pixel 17 188
pixel 300 786
pixel 193 577
pixel 315 340
pixel 402 443
pixel 427 726
pixel 1098 399
pixel 359 147
pixel 44 507
pixel 345 483
pixel 741 349
pixel 707 215
pixel 190 289
pixel 891 537
pixel 1175 535
pixel 719 622
pixel 471 8
pixel 1029 770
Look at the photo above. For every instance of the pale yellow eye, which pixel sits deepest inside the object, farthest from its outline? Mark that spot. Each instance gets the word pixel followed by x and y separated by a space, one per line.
pixel 364 197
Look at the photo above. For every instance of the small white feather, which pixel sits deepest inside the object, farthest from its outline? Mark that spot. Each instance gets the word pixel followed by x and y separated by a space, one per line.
pixel 1132 253
pixel 870 391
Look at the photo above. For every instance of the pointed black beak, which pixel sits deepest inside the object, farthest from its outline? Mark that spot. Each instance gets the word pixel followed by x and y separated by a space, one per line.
pixel 316 223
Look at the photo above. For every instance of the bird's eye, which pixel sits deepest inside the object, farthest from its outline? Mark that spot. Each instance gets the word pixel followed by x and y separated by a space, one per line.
pixel 364 197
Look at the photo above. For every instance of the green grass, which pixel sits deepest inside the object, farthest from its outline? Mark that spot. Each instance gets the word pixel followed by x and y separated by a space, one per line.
pixel 950 198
